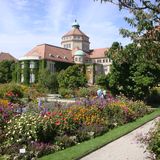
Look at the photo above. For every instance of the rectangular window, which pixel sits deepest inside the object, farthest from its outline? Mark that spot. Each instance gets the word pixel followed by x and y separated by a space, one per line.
pixel 22 78
pixel 22 65
pixel 80 59
pixel 32 78
pixel 32 65
pixel 98 60
pixel 52 67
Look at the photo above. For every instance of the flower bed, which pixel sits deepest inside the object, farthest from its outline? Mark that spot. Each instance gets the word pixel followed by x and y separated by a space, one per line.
pixel 45 132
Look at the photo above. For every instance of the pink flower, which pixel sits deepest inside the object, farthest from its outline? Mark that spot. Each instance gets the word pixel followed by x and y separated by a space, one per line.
pixel 57 123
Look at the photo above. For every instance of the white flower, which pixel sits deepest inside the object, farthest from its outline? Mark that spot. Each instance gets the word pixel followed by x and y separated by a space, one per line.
pixel 91 133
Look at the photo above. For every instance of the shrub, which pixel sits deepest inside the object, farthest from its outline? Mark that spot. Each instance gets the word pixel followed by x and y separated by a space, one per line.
pixel 11 91
pixel 154 97
pixel 83 92
pixel 50 81
pixel 102 80
pixel 65 141
pixel 38 149
pixel 152 140
pixel 91 131
pixel 93 91
pixel 73 77
pixel 66 93
pixel 118 113
pixel 139 108
pixel 35 91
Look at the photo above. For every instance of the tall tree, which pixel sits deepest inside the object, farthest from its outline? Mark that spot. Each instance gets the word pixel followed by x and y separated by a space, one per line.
pixel 136 67
pixel 133 71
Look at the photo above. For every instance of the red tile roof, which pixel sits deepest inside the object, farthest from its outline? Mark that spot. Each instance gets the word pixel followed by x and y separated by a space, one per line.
pixel 75 31
pixel 54 53
pixel 98 53
pixel 50 52
pixel 6 56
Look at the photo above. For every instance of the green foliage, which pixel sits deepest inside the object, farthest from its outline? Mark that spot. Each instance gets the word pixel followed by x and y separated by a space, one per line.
pixel 6 70
pixel 135 70
pixel 25 72
pixel 61 66
pixel 65 92
pixel 63 127
pixel 145 18
pixel 102 80
pixel 11 87
pixel 154 141
pixel 72 77
pixel 48 80
pixel 86 91
pixel 22 129
pixel 154 97
pixel 83 92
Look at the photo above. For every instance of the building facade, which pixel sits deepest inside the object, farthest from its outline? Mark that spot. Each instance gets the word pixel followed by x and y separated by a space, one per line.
pixel 75 49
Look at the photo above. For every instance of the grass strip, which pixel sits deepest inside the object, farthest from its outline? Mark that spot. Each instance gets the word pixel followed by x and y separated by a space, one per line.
pixel 80 150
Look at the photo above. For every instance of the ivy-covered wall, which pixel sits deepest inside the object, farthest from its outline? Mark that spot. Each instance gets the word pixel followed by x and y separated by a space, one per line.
pixel 42 64
pixel 16 73
pixel 25 72
pixel 39 65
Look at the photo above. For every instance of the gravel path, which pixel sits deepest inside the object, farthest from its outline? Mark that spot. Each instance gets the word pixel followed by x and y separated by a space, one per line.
pixel 124 148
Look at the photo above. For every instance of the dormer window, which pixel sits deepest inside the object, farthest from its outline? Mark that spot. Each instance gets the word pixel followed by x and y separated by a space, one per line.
pixel 75 58
pixel 58 56
pixel 50 55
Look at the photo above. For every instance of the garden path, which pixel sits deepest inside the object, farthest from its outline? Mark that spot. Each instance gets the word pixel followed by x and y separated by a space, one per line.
pixel 124 148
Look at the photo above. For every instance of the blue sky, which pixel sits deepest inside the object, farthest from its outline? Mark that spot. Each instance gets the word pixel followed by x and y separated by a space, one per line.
pixel 27 23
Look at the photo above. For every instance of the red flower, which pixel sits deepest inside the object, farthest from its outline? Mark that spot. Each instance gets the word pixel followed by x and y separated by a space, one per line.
pixel 57 123
pixel 54 113
pixel 60 114
pixel 48 113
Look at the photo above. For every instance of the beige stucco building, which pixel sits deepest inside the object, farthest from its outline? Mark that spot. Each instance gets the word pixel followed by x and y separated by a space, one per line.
pixel 75 49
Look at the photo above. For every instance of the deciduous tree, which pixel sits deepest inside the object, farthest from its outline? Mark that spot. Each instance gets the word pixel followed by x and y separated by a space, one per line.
pixel 72 77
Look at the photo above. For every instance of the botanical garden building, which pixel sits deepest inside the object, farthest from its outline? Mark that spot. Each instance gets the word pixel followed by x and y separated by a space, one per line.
pixel 75 49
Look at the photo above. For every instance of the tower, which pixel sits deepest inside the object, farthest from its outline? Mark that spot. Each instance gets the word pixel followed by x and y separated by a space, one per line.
pixel 75 38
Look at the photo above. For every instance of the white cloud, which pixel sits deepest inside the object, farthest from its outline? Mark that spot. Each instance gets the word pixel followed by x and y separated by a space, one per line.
pixel 26 23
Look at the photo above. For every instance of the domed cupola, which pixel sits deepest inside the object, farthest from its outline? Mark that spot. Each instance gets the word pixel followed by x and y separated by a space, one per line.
pixel 79 57
pixel 75 24
pixel 75 38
